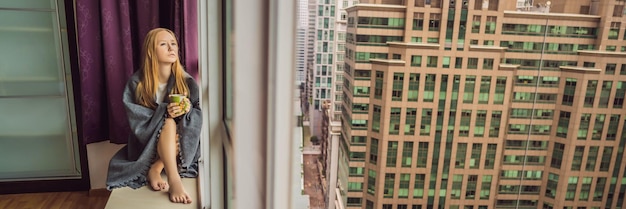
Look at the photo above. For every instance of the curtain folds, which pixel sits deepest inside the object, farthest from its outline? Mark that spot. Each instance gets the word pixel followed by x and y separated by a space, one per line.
pixel 110 35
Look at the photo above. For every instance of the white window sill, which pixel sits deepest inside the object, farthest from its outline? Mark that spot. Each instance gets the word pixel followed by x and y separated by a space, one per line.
pixel 145 197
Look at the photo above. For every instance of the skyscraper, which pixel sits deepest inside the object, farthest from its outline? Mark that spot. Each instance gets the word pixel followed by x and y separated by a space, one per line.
pixel 484 104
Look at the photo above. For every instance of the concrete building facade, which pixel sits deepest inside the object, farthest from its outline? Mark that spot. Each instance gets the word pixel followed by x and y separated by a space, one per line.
pixel 484 104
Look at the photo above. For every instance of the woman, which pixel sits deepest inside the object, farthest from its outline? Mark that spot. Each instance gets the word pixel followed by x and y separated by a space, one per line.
pixel 165 135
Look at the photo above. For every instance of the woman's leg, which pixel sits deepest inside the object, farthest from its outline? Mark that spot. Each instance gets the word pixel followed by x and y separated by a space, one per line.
pixel 154 176
pixel 167 150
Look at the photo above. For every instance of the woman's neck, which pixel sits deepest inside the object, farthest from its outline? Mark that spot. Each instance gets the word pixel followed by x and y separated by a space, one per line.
pixel 164 73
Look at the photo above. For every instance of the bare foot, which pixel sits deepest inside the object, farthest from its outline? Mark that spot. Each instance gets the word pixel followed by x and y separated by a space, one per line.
pixel 154 177
pixel 177 192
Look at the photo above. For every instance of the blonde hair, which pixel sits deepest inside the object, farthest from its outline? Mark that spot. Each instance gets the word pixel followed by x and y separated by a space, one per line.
pixel 148 84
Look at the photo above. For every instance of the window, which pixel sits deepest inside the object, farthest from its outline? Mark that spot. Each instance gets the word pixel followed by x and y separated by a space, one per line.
pixel 429 87
pixel 557 155
pixel 485 86
pixel 403 188
pixel 487 64
pixel 457 183
pixel 466 116
pixel 373 151
pixel 614 31
pixel 606 158
pixel 578 158
pixel 426 122
pixel 620 92
pixel 407 153
pixel 371 182
pixel 413 91
pixel 376 118
pixel 468 93
pixel 398 83
pixel 490 25
pixel 610 69
pixel 591 158
pixel 378 88
pixel 475 156
pixel 569 91
pixel 418 187
pixel 461 150
pixel 605 93
pixel 470 191
pixel 479 126
pixel 590 94
pixel 418 21
pixel 388 187
pixel 583 128
pixel 392 153
pixel 422 154
pixel 494 129
pixel 409 124
pixel 431 61
pixel 472 63
pixel 572 183
pixel 434 22
pixel 598 127
pixel 458 63
pixel 551 187
pixel 563 125
pixel 476 24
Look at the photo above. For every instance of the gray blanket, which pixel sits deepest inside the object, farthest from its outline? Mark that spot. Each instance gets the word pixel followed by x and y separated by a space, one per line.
pixel 130 165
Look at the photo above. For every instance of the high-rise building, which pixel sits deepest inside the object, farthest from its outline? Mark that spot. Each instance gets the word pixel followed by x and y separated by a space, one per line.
pixel 484 104
pixel 301 40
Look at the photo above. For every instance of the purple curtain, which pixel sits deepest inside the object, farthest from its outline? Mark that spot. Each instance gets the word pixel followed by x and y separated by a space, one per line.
pixel 110 36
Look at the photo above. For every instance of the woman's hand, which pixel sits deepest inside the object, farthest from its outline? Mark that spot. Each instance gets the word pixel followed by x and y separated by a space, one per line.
pixel 177 109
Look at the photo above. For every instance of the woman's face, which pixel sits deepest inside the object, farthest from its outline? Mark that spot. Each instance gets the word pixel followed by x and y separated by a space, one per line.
pixel 166 47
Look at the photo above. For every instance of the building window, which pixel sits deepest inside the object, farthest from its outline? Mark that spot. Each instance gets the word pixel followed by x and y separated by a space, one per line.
pixel 498 97
pixel 551 187
pixel 475 156
pixel 446 62
pixel 407 154
pixel 422 154
pixel 466 116
pixel 470 191
pixel 398 83
pixel 620 91
pixel 590 94
pixel 472 63
pixel 563 126
pixel 356 171
pixel 431 61
pixel 458 63
pixel 479 127
pixel 578 158
pixel 583 128
pixel 557 155
pixel 413 91
pixel 610 69
pixel 598 193
pixel 373 151
pixel 598 127
pixel 613 127
pixel 425 122
pixel 403 189
pixel 591 158
pixel 490 158
pixel 485 86
pixel 418 187
pixel 569 91
pixel 468 93
pixel 485 188
pixel 605 93
pixel 487 64
pixel 586 188
pixel 376 119
pixel 606 158
pixel 388 187
pixel 490 25
pixel 418 21
pixel 409 125
pixel 457 183
pixel 434 22
pixel 614 30
pixel 429 87
pixel 392 153
pixel 572 183
pixel 461 152
pixel 476 24
pixel 378 88
pixel 494 129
